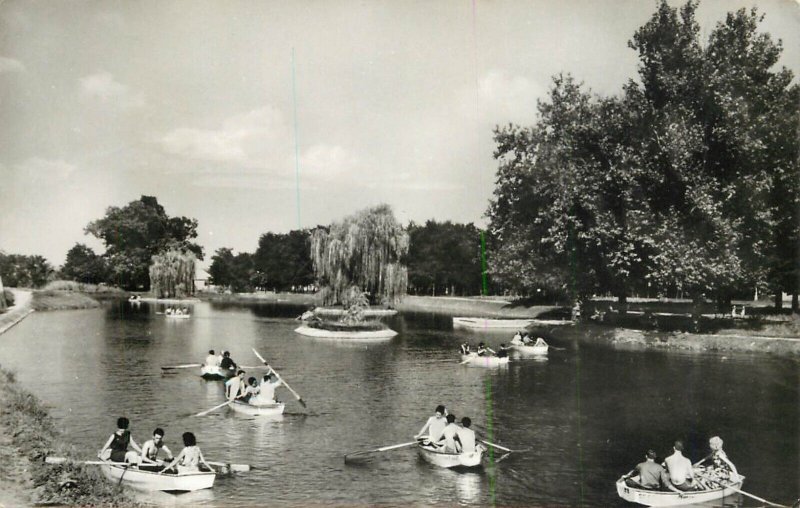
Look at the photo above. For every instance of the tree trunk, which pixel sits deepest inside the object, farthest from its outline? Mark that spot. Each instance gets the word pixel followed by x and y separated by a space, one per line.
pixel 778 300
pixel 2 295
pixel 622 300
pixel 795 306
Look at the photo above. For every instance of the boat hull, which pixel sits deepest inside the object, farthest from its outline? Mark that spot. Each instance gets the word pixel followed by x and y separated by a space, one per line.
pixel 483 323
pixel 449 460
pixel 178 316
pixel 265 410
pixel 669 498
pixel 215 373
pixel 529 350
pixel 484 361
pixel 152 481
pixel 360 336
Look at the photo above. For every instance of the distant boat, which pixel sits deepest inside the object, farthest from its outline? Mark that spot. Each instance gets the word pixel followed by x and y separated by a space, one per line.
pixel 492 323
pixel 178 316
pixel 540 347
pixel 365 335
pixel 484 361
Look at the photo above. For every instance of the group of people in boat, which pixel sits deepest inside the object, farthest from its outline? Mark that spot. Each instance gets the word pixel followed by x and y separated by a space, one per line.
pixel 153 454
pixel 223 361
pixel 523 339
pixel 677 473
pixel 484 350
pixel 177 311
pixel 253 391
pixel 442 434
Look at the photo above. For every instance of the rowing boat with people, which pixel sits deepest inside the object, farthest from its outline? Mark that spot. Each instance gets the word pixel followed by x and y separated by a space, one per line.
pixel 143 479
pixel 440 458
pixel 483 361
pixel 275 409
pixel 540 347
pixel 669 498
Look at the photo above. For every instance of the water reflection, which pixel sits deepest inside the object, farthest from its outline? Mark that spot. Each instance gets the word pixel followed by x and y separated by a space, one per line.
pixel 198 497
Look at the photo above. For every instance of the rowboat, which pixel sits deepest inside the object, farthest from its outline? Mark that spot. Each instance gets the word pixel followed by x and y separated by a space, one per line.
pixel 482 323
pixel 366 335
pixel 484 361
pixel 670 498
pixel 540 347
pixel 442 459
pixel 275 409
pixel 140 479
pixel 215 373
pixel 178 316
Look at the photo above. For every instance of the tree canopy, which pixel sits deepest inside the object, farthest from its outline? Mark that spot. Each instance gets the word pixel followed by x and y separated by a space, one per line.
pixel 172 274
pixel 84 265
pixel 285 259
pixel 133 234
pixel 687 181
pixel 18 270
pixel 444 257
pixel 363 250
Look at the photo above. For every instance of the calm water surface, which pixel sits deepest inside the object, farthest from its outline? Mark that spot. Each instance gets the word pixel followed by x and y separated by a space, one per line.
pixel 586 413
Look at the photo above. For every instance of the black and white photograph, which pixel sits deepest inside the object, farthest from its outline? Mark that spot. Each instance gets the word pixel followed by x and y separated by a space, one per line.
pixel 506 253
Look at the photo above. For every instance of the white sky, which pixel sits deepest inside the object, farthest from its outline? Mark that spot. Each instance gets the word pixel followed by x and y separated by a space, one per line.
pixel 192 102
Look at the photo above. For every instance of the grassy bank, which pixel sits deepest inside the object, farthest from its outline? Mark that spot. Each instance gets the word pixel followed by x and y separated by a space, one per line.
pixel 27 436
pixel 62 300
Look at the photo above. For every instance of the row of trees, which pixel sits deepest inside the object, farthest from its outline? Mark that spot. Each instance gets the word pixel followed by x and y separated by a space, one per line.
pixel 368 249
pixel 17 270
pixel 685 182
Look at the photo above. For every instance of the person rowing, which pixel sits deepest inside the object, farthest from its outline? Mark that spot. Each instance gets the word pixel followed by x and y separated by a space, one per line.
pixel 484 350
pixel 152 447
pixel 116 448
pixel 503 351
pixel 434 426
pixel 227 362
pixel 651 476
pixel 465 348
pixel 517 338
pixel 235 387
pixel 465 438
pixel 680 470
pixel 266 394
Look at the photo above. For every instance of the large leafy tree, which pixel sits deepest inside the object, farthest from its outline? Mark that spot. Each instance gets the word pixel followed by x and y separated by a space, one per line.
pixel 24 271
pixel 235 271
pixel 284 259
pixel 363 251
pixel 444 256
pixel 84 265
pixel 133 234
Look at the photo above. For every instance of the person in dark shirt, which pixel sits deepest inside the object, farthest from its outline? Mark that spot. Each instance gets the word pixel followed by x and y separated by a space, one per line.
pixel 503 351
pixel 652 476
pixel 227 363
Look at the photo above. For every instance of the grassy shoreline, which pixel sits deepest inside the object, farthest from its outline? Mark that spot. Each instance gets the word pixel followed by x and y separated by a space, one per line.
pixel 28 435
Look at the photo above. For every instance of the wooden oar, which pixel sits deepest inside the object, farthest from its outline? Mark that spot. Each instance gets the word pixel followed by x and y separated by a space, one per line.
pixel 234 468
pixel 740 491
pixel 203 413
pixel 299 398
pixel 498 446
pixel 62 460
pixel 381 449
pixel 184 366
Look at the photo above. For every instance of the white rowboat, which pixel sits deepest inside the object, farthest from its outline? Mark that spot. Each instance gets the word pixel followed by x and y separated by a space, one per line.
pixel 540 347
pixel 669 498
pixel 441 459
pixel 178 316
pixel 484 361
pixel 275 409
pixel 215 373
pixel 482 323
pixel 149 480
pixel 331 334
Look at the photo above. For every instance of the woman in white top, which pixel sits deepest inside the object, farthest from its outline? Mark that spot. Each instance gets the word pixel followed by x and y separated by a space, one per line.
pixel 266 394
pixel 435 425
pixel 190 458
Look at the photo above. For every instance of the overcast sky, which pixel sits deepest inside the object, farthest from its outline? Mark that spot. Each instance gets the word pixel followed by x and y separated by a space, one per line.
pixel 194 102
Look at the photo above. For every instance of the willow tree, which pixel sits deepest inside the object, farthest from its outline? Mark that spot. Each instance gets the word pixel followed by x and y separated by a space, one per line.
pixel 172 274
pixel 363 251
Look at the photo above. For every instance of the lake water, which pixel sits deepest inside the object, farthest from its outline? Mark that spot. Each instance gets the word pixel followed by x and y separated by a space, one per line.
pixel 586 413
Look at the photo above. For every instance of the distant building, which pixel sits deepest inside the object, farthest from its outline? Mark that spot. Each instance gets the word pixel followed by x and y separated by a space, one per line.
pixel 201 280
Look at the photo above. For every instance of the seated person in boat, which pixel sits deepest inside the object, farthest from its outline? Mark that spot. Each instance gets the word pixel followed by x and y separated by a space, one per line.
pixel 235 387
pixel 251 390
pixel 434 426
pixel 482 349
pixel 212 360
pixel 168 312
pixel 517 339
pixel 266 395
pixel 465 437
pixel 680 470
pixel 720 465
pixel 465 348
pixel 651 476
pixel 227 362
pixel 151 449
pixel 449 434
pixel 503 351
pixel 116 448
pixel 526 339
pixel 190 458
